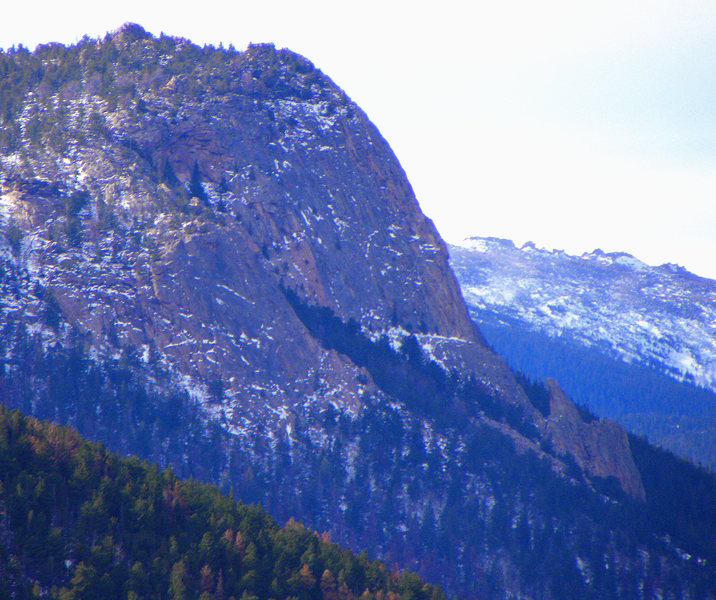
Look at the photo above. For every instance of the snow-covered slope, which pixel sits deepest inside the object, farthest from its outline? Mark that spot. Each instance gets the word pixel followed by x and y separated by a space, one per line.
pixel 661 316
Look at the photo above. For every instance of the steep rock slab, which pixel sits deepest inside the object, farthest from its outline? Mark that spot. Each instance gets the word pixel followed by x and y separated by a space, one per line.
pixel 601 447
pixel 188 202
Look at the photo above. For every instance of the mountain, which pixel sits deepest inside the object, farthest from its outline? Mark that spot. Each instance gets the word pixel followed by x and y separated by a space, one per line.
pixel 250 168
pixel 80 522
pixel 634 343
pixel 661 316
pixel 212 259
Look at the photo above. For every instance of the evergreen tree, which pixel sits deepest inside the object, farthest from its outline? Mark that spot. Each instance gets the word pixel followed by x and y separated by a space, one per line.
pixel 196 189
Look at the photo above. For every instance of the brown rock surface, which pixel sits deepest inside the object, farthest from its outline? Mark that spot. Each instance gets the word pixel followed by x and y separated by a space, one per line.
pixel 301 191
pixel 601 447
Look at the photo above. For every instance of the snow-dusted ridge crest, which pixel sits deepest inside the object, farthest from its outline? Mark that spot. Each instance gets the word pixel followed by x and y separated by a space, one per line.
pixel 663 315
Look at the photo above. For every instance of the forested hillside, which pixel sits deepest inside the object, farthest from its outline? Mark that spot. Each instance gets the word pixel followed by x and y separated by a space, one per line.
pixel 677 415
pixel 78 522
pixel 436 452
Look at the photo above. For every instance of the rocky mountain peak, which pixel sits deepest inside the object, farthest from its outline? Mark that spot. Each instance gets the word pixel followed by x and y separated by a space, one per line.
pixel 197 182
pixel 129 33
pixel 661 315
pixel 187 188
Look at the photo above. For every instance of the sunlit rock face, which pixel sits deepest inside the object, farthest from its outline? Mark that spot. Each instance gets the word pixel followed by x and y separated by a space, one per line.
pixel 601 448
pixel 196 195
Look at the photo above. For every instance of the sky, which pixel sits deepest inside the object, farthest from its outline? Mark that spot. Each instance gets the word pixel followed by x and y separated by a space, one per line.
pixel 575 125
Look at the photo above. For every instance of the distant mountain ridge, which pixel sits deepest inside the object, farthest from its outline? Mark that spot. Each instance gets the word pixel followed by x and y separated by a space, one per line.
pixel 664 316
pixel 610 306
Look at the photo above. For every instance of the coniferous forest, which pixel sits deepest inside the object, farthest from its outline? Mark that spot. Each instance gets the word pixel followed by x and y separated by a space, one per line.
pixel 670 413
pixel 78 522
pixel 92 397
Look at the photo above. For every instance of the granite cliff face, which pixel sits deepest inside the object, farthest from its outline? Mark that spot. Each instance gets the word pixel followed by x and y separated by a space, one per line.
pixel 601 448
pixel 292 185
pixel 228 230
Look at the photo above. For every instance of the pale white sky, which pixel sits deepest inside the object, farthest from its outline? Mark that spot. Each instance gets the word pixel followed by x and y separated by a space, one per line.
pixel 573 124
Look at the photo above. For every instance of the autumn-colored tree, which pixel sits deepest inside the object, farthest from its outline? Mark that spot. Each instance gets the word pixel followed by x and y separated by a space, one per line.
pixel 329 587
pixel 306 577
pixel 206 581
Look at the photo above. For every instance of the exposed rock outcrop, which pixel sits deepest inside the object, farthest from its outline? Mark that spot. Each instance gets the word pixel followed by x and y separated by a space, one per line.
pixel 299 189
pixel 599 447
